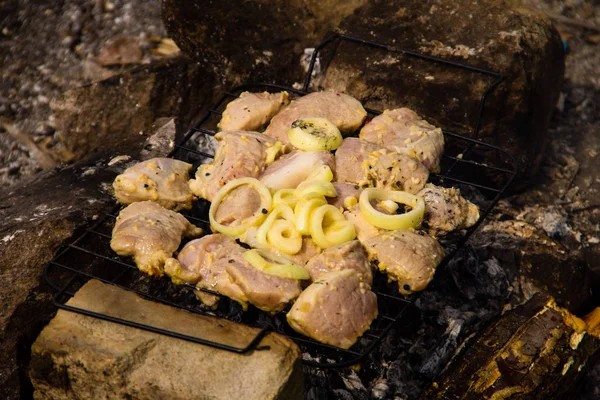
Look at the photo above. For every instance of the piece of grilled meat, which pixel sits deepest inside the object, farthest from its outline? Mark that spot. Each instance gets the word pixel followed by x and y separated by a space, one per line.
pixel 403 131
pixel 406 256
pixel 368 165
pixel 336 309
pixel 349 255
pixel 252 111
pixel 240 154
pixel 163 180
pixel 446 210
pixel 216 262
pixel 344 111
pixel 150 234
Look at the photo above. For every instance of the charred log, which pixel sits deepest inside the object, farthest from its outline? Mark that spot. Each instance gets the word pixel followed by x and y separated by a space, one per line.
pixel 538 350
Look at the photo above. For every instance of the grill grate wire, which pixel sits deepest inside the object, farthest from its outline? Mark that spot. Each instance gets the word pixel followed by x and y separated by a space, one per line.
pixel 89 256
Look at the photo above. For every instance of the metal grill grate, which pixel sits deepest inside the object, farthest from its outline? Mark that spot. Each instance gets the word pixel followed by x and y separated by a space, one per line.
pixel 468 163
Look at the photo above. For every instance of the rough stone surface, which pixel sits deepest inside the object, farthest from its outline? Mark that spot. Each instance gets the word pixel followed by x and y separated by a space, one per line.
pixel 35 220
pixel 49 47
pixel 501 36
pixel 111 114
pixel 79 357
pixel 534 262
pixel 37 217
pixel 272 34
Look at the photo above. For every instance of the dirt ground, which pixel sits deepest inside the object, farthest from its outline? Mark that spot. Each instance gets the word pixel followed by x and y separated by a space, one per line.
pixel 47 47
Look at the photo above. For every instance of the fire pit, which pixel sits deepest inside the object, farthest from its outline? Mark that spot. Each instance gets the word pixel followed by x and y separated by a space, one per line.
pixel 484 327
pixel 468 163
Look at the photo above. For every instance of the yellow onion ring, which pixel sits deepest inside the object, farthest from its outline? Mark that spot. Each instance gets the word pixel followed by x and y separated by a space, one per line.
pixel 321 173
pixel 255 219
pixel 284 236
pixel 411 219
pixel 323 188
pixel 281 267
pixel 272 152
pixel 285 196
pixel 329 227
pixel 281 210
pixel 304 209
pixel 349 202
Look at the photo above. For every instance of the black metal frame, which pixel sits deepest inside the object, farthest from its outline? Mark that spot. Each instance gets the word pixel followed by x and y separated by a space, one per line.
pixel 90 257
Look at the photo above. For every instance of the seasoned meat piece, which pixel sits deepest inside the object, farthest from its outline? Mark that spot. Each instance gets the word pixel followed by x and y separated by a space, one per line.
pixel 406 256
pixel 403 131
pixel 241 203
pixel 308 250
pixel 349 255
pixel 252 111
pixel 216 262
pixel 344 111
pixel 364 230
pixel 240 154
pixel 344 190
pixel 446 210
pixel 365 164
pixel 351 158
pixel 291 169
pixel 336 309
pixel 150 234
pixel 163 180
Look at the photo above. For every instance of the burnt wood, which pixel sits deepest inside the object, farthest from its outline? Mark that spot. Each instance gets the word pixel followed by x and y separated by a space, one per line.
pixel 536 351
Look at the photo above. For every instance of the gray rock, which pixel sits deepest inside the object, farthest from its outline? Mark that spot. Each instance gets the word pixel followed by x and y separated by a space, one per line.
pixel 79 357
pixel 114 113
pixel 162 141
pixel 501 36
pixel 534 263
pixel 258 39
pixel 36 218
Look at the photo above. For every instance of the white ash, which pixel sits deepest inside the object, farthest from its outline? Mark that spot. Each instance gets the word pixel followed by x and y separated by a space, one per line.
pixel 118 159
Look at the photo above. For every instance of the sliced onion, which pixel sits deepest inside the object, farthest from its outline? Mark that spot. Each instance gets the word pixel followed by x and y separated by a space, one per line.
pixel 255 219
pixel 303 210
pixel 284 237
pixel 321 173
pixel 349 202
pixel 329 227
pixel 282 210
pixel 411 219
pixel 340 232
pixel 280 267
pixel 314 134
pixel 323 188
pixel 285 196
pixel 389 206
pixel 272 152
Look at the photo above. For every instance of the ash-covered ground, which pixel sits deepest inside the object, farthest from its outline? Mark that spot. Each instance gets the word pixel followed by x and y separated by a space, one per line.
pixel 49 47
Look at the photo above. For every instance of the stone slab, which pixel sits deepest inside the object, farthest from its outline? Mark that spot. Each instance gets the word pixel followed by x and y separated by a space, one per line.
pixel 80 357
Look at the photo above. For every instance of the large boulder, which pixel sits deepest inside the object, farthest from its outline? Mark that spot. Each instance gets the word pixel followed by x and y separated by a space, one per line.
pixel 113 113
pixel 257 40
